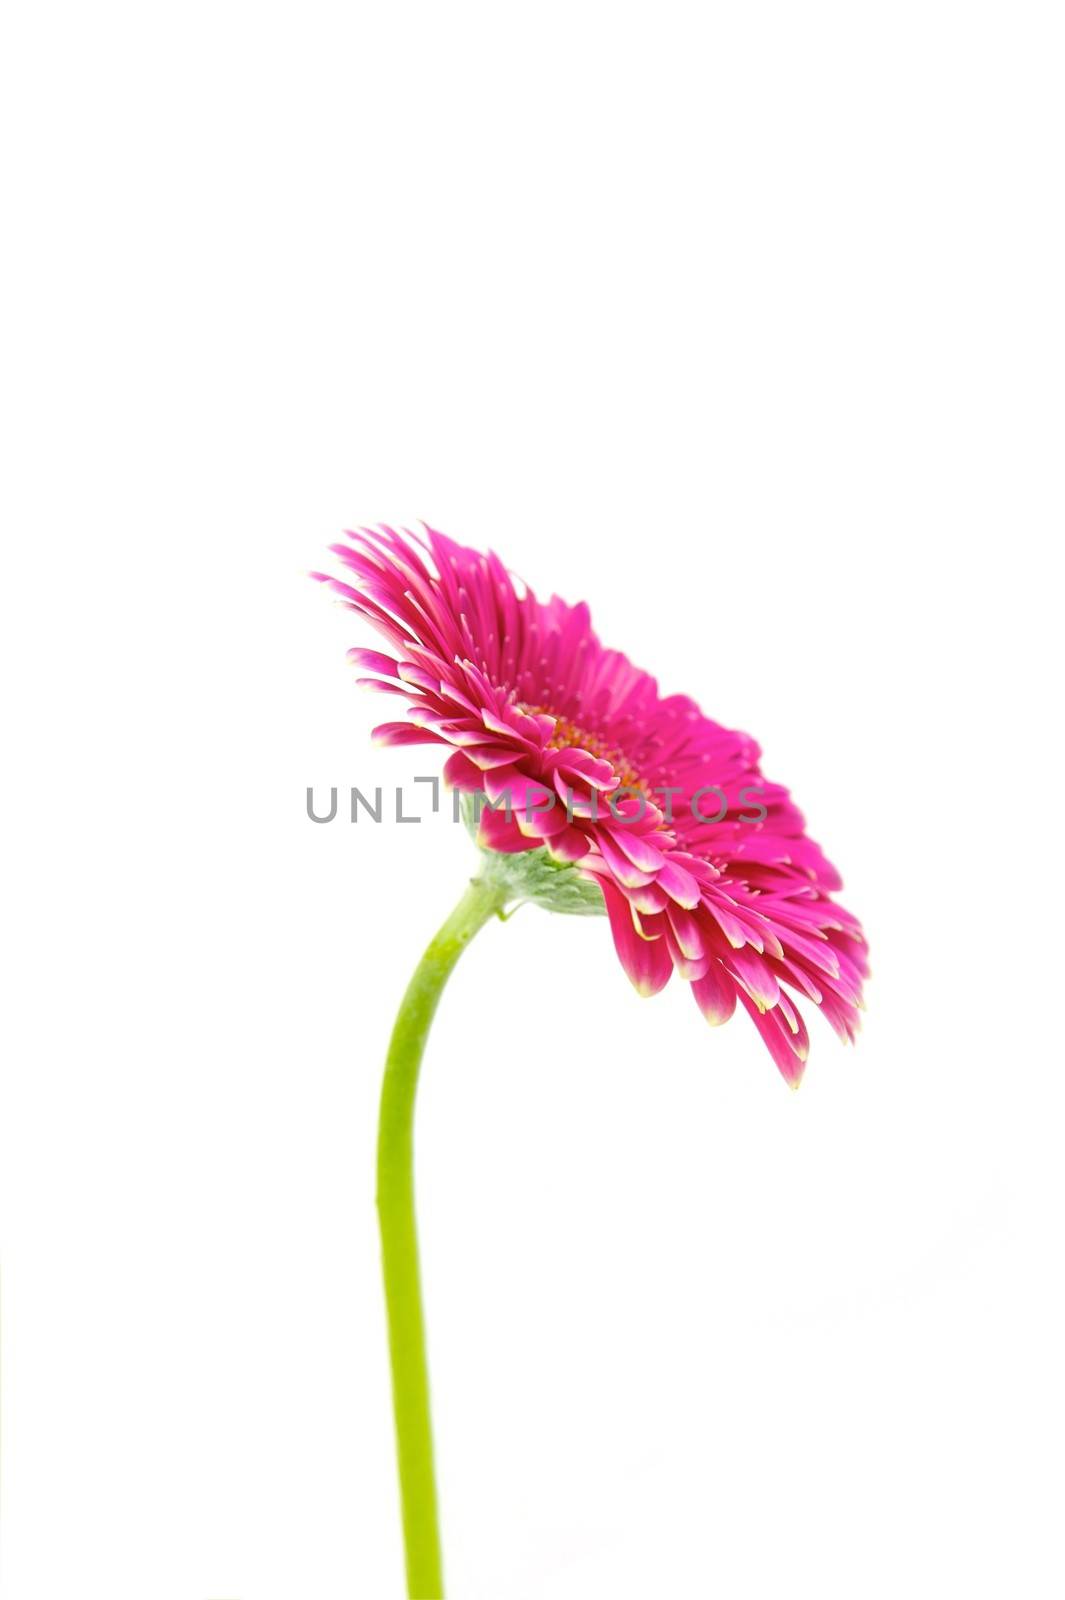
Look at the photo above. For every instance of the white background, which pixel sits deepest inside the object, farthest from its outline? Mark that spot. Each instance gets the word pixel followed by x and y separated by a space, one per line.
pixel 745 323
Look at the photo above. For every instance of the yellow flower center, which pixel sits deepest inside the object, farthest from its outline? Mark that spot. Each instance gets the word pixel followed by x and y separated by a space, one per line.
pixel 568 735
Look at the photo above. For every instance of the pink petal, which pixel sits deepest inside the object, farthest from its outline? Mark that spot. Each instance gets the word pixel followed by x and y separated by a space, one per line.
pixel 715 994
pixel 646 961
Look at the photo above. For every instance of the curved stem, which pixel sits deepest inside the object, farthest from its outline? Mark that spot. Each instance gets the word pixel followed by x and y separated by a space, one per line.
pixel 399 1237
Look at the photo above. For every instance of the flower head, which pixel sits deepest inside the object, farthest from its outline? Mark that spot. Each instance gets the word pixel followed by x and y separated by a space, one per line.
pixel 704 867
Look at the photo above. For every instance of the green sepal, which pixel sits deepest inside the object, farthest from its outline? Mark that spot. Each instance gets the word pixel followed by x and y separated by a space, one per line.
pixel 534 875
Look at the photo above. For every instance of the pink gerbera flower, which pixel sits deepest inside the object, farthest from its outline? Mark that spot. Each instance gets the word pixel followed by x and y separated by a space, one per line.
pixel 704 867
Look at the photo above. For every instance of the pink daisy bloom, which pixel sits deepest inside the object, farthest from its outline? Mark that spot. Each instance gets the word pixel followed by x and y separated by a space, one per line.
pixel 704 867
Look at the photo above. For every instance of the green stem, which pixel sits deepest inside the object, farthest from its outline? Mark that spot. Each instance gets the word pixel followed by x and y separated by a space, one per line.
pixel 399 1236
